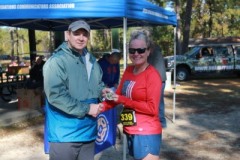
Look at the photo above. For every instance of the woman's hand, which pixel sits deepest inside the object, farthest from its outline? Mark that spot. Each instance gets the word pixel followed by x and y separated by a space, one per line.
pixel 109 95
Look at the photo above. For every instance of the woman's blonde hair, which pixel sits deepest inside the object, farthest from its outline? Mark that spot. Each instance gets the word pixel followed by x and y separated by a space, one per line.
pixel 143 35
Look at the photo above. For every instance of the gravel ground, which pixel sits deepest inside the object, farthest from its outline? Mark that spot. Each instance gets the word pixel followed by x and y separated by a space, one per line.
pixel 206 126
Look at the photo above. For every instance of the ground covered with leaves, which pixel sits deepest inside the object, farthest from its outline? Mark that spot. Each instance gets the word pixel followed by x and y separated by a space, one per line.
pixel 206 126
pixel 207 121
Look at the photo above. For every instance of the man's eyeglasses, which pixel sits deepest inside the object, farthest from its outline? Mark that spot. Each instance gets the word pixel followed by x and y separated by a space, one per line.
pixel 139 50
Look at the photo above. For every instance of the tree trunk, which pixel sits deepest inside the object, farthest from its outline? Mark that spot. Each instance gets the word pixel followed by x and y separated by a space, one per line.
pixel 210 22
pixel 12 43
pixel 32 45
pixel 187 24
pixel 178 39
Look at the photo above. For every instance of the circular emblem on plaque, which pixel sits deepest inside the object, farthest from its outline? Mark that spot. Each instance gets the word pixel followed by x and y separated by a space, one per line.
pixel 103 128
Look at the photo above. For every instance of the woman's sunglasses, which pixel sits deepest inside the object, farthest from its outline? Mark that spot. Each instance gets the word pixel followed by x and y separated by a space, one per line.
pixel 139 50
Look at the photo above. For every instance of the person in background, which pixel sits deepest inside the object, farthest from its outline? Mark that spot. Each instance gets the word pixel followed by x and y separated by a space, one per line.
pixel 73 86
pixel 156 59
pixel 36 74
pixel 139 92
pixel 111 69
pixel 12 68
pixel 20 61
pixel 13 62
pixel 110 64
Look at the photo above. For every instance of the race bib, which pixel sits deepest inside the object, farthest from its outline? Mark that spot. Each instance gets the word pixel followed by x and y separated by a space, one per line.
pixel 128 117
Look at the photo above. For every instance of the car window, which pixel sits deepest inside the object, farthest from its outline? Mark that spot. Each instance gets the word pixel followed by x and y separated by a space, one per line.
pixel 204 52
pixel 238 51
pixel 231 50
pixel 193 52
pixel 221 51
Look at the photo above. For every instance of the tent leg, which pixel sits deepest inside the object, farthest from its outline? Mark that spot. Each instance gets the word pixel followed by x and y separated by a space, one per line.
pixel 124 66
pixel 125 43
pixel 124 147
pixel 174 75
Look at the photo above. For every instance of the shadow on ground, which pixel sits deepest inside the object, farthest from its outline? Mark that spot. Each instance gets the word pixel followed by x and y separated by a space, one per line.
pixel 207 120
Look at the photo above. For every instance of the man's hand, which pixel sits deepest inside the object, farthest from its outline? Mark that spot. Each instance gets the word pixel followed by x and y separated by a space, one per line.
pixel 95 109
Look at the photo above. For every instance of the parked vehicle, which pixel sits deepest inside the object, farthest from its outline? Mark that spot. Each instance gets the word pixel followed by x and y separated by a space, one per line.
pixel 5 57
pixel 206 59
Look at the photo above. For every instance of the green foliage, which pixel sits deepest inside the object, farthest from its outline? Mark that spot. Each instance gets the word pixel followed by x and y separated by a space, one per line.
pixel 164 37
pixel 21 41
pixel 5 41
pixel 101 40
pixel 43 41
pixel 210 18
pixel 218 18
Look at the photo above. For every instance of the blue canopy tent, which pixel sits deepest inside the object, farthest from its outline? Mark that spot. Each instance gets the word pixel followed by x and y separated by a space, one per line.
pixel 56 15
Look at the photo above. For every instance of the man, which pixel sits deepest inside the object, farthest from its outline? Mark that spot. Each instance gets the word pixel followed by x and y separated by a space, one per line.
pixel 156 59
pixel 111 69
pixel 73 84
pixel 36 74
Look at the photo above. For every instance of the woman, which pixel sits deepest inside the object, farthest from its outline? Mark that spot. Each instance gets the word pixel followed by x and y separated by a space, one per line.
pixel 139 92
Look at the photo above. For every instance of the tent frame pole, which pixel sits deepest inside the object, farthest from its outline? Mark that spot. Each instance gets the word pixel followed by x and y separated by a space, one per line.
pixel 174 75
pixel 125 42
pixel 124 66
